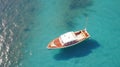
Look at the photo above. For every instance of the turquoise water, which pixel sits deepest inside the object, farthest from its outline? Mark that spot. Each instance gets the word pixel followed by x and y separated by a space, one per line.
pixel 40 21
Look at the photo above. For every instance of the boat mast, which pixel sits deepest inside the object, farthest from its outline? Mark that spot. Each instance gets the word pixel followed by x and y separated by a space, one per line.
pixel 86 23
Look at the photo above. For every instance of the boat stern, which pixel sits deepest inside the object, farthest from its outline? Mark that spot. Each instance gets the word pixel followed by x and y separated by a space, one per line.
pixel 86 33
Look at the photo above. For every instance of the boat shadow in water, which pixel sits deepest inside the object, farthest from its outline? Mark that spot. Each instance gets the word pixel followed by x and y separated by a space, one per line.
pixel 79 50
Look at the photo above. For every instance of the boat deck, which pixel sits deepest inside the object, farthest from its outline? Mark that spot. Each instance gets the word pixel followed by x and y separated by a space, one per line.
pixel 57 42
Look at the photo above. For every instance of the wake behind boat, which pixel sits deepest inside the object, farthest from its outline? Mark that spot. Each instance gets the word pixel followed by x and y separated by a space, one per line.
pixel 69 39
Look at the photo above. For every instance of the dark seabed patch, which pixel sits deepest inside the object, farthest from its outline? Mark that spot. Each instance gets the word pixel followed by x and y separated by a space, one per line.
pixel 77 4
pixel 76 10
pixel 26 29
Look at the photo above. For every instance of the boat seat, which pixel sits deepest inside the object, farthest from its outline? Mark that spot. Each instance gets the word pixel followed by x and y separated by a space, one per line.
pixel 80 37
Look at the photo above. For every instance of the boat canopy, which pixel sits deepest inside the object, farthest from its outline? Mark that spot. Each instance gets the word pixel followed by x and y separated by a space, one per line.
pixel 68 37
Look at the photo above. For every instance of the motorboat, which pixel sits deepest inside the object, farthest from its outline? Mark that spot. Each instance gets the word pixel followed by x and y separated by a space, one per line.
pixel 69 39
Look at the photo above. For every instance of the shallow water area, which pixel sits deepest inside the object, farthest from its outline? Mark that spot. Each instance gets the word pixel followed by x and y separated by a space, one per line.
pixel 58 17
pixel 43 20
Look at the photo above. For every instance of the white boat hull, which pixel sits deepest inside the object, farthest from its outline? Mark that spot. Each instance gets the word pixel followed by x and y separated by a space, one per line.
pixel 57 43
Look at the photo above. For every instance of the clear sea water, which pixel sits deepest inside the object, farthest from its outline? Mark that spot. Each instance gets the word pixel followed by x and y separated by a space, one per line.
pixel 27 26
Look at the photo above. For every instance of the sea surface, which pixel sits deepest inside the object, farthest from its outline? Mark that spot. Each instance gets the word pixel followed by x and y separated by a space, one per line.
pixel 27 26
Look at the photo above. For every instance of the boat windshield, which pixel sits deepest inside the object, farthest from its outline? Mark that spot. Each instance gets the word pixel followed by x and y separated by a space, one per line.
pixel 68 37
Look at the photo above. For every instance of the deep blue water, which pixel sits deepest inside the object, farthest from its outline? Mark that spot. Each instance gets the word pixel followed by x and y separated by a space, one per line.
pixel 27 26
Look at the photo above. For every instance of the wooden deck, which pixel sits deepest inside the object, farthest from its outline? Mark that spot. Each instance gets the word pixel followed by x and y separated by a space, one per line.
pixel 57 42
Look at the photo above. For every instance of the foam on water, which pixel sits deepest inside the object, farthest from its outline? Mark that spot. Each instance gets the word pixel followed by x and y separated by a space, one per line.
pixel 14 25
